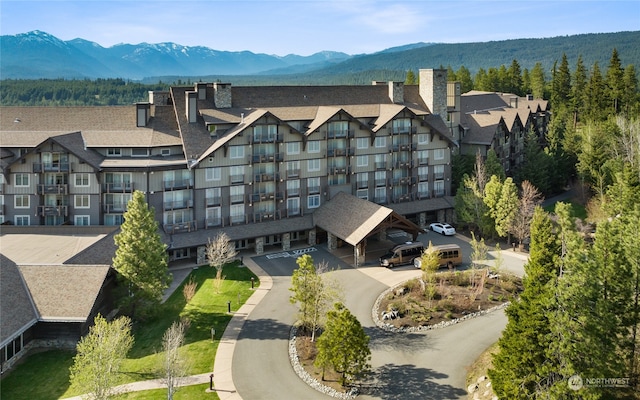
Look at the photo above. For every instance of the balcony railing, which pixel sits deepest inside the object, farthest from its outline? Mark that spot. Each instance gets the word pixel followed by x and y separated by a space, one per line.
pixel 402 164
pixel 338 170
pixel 381 182
pixel 217 221
pixel 44 211
pixel 292 212
pixel 266 196
pixel 114 207
pixel 118 187
pixel 1 209
pixel 362 184
pixel 381 164
pixel 293 173
pixel 340 152
pixel 266 177
pixel 403 130
pixel 339 133
pixel 265 138
pixel 178 204
pixel 421 195
pixel 293 192
pixel 53 189
pixel 422 161
pixel 405 180
pixel 236 198
pixel 402 198
pixel 313 189
pixel 186 226
pixel 266 158
pixel 236 178
pixel 266 216
pixel 380 199
pixel 51 167
pixel 213 201
pixel 178 184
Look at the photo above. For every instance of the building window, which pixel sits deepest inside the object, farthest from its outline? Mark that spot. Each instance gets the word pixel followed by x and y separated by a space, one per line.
pixel 423 173
pixel 293 206
pixel 21 201
pixel 165 152
pixel 313 201
pixel 81 201
pixel 21 220
pixel 236 194
pixel 423 138
pixel 363 194
pixel 313 165
pixel 212 174
pixel 402 125
pixel 236 151
pixel 212 196
pixel 362 161
pixel 236 174
pixel 438 188
pixel 313 146
pixel 423 156
pixel 293 148
pixel 113 219
pixel 22 180
pixel 362 143
pixel 380 195
pixel 438 154
pixel 438 172
pixel 213 216
pixel 293 169
pixel 265 133
pixel 236 212
pixel 380 142
pixel 313 185
pixel 381 178
pixel 139 152
pixel 81 220
pixel 82 180
pixel 114 152
pixel 293 187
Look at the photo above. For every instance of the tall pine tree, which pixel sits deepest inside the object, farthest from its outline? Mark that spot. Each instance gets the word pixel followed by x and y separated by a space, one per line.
pixel 521 368
pixel 141 258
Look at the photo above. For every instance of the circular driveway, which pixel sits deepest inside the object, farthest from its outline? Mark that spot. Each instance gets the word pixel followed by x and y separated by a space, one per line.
pixel 425 365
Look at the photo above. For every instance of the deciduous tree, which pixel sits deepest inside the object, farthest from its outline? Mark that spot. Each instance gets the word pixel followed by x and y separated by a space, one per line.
pixel 174 364
pixel 99 356
pixel 220 251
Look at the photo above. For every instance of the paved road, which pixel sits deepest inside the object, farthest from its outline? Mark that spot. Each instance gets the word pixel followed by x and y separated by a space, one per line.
pixel 428 365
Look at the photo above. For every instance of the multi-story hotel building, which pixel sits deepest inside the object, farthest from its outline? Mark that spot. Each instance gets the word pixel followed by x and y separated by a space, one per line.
pixel 255 162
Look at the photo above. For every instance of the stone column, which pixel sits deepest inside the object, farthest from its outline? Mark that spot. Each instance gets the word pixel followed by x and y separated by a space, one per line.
pixel 382 235
pixel 286 241
pixel 441 216
pixel 311 237
pixel 359 254
pixel 260 245
pixel 201 257
pixel 332 241
pixel 422 220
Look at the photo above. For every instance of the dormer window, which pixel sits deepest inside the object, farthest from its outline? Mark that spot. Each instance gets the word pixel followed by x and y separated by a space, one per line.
pixel 139 152
pixel 114 152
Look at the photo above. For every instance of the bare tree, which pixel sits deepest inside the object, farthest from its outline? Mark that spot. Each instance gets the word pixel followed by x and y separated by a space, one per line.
pixel 220 251
pixel 174 364
pixel 530 197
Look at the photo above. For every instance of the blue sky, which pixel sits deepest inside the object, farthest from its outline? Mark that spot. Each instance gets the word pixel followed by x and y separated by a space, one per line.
pixel 304 27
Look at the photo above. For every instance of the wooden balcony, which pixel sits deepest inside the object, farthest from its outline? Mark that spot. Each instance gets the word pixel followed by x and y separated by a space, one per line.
pixel 53 189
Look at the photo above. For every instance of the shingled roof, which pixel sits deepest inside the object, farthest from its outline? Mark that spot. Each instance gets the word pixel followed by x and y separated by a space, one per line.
pixel 64 293
pixel 16 308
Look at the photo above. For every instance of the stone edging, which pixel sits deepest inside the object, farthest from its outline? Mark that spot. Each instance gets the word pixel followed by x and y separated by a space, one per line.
pixel 304 375
pixel 375 315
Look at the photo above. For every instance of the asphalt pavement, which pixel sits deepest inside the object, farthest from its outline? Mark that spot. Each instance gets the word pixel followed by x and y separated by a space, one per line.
pixel 425 365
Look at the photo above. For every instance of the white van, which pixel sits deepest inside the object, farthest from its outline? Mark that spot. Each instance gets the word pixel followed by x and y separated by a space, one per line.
pixel 402 254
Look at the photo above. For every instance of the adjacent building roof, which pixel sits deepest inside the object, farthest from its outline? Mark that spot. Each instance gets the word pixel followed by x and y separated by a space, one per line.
pixel 17 312
pixel 64 293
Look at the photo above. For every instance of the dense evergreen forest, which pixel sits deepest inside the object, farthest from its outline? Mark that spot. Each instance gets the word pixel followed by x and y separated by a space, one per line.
pixel 504 78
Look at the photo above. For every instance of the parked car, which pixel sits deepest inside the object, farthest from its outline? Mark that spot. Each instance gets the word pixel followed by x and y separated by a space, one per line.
pixel 443 229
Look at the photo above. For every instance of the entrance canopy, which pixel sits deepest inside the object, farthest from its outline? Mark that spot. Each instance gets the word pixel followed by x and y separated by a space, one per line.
pixel 353 219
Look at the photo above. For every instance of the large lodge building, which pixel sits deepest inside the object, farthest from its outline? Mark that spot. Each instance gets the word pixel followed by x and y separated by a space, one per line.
pixel 255 162
pixel 272 167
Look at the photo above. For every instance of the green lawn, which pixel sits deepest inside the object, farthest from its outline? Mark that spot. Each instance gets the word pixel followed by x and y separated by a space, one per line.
pixel 184 393
pixel 578 210
pixel 46 375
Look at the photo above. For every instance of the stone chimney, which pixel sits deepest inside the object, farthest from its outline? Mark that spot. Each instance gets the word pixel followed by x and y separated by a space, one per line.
pixel 159 98
pixel 143 113
pixel 191 106
pixel 222 95
pixel 396 92
pixel 433 90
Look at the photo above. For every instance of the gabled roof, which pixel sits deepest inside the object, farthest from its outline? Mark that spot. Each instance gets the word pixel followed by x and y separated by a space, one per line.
pixel 482 127
pixel 352 219
pixel 17 310
pixel 386 114
pixel 323 114
pixel 64 293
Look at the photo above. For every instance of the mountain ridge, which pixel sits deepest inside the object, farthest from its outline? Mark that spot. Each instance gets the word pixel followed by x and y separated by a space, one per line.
pixel 39 55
